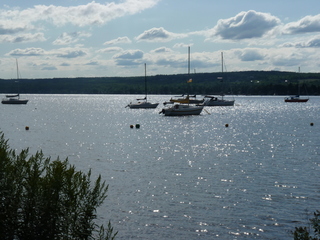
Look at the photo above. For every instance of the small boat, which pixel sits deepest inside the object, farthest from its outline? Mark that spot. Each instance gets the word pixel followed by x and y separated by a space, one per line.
pixel 183 107
pixel 14 98
pixel 215 101
pixel 143 102
pixel 188 99
pixel 296 98
pixel 181 110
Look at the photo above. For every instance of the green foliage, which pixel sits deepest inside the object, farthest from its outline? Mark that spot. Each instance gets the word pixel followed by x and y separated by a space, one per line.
pixel 246 82
pixel 304 233
pixel 42 199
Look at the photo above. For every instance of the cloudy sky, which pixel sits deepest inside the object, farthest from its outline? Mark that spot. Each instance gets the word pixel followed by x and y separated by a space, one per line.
pixel 78 38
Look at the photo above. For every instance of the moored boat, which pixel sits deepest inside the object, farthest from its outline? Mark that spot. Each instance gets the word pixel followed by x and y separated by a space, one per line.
pixel 188 99
pixel 215 101
pixel 296 98
pixel 143 102
pixel 218 101
pixel 182 110
pixel 14 99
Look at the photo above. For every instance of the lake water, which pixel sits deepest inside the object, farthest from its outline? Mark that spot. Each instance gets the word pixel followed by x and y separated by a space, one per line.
pixel 184 177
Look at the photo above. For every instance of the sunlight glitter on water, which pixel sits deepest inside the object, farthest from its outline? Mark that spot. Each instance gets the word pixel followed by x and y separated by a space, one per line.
pixel 184 177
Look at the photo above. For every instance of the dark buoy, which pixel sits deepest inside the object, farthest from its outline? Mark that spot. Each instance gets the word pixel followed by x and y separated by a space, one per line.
pixel 131 126
pixel 227 125
pixel 27 128
pixel 137 125
pixel 311 124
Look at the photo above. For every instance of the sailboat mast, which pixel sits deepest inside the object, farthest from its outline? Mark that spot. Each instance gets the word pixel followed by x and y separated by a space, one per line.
pixel 188 69
pixel 299 82
pixel 145 81
pixel 188 61
pixel 18 77
pixel 17 68
pixel 221 62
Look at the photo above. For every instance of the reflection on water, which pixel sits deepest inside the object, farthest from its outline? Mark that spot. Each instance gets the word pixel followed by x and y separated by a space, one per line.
pixel 184 177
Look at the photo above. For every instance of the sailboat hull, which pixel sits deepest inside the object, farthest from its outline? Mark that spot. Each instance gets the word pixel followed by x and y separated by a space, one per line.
pixel 296 100
pixel 218 102
pixel 187 101
pixel 14 101
pixel 14 98
pixel 182 110
pixel 143 102
pixel 143 105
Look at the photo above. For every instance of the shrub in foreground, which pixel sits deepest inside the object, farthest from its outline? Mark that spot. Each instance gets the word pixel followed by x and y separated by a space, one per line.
pixel 304 233
pixel 42 199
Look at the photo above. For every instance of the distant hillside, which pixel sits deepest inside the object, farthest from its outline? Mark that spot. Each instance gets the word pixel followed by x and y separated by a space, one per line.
pixel 242 83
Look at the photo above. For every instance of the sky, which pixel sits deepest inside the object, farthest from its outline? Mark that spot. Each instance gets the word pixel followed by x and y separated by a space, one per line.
pixel 78 38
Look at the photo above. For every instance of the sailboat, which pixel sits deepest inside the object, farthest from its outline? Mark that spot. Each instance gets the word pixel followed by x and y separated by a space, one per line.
pixel 143 102
pixel 14 98
pixel 188 99
pixel 191 99
pixel 182 106
pixel 216 101
pixel 296 98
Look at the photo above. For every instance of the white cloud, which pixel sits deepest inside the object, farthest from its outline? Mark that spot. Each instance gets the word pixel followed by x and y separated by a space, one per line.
pixel 49 68
pixel 10 27
pixel 245 25
pixel 60 53
pixel 27 52
pixel 23 38
pixel 129 58
pixel 161 50
pixel 118 40
pixel 307 24
pixel 158 35
pixel 92 63
pixel 250 55
pixel 64 64
pixel 69 38
pixel 130 54
pixel 110 50
pixel 90 14
pixel 302 41
pixel 286 61
pixel 72 53
pixel 182 45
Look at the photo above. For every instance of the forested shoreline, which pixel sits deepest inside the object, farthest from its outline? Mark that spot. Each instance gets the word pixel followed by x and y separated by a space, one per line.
pixel 237 83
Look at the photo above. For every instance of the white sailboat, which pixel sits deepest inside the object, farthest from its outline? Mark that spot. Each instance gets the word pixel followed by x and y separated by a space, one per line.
pixel 143 102
pixel 218 101
pixel 14 98
pixel 182 110
pixel 296 98
pixel 182 106
pixel 188 99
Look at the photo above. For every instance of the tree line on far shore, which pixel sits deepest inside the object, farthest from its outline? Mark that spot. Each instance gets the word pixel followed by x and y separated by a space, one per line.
pixel 236 83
